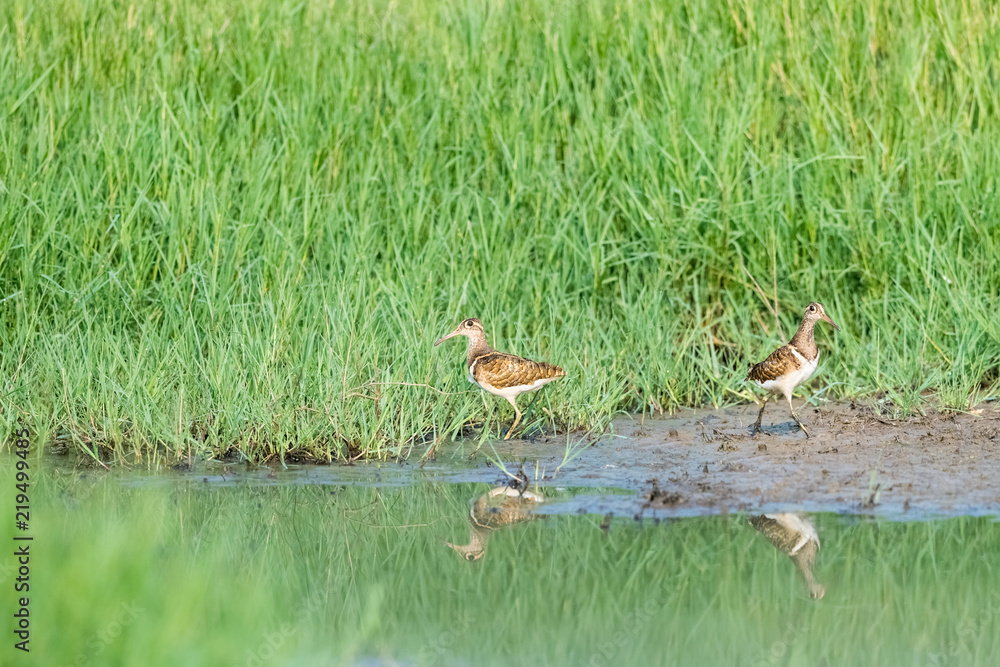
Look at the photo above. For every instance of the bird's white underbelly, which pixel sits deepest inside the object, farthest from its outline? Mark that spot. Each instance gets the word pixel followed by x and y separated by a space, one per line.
pixel 788 382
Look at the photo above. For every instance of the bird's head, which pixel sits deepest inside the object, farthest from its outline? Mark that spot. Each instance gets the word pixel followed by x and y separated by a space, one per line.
pixel 814 312
pixel 471 327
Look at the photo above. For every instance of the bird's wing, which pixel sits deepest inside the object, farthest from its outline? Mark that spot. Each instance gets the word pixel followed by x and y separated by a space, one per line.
pixel 502 370
pixel 777 532
pixel 781 361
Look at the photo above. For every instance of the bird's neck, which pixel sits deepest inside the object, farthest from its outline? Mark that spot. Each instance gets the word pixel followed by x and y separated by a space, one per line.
pixel 804 339
pixel 804 564
pixel 477 348
pixel 476 546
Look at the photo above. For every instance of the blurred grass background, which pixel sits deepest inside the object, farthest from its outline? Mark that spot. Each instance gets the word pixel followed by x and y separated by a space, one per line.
pixel 225 225
pixel 198 574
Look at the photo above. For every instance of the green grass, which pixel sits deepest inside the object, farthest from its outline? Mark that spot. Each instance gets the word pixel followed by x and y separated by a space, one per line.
pixel 192 574
pixel 239 225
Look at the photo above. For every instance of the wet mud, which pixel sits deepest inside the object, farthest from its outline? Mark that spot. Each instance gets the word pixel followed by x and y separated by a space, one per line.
pixel 855 460
pixel 700 462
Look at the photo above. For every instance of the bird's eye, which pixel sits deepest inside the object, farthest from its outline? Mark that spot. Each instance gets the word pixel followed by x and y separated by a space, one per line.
pixel 468 323
pixel 812 309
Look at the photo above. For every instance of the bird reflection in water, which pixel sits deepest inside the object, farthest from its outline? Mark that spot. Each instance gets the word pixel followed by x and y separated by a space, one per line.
pixel 796 536
pixel 500 506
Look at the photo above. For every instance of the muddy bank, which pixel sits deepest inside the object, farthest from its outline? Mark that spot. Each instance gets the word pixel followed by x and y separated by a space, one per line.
pixel 706 462
pixel 856 460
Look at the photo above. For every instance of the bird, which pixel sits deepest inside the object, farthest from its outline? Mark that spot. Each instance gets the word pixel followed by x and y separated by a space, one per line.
pixel 499 373
pixel 500 506
pixel 795 536
pixel 790 365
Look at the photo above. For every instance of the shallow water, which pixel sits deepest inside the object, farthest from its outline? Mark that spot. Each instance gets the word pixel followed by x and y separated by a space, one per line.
pixel 353 565
pixel 857 461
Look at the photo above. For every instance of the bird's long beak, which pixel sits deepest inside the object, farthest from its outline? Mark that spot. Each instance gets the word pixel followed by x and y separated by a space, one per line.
pixel 824 316
pixel 444 338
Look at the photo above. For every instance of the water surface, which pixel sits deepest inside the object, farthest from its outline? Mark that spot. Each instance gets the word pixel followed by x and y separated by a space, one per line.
pixel 330 566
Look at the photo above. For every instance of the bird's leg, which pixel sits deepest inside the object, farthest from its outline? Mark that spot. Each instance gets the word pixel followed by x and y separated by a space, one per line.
pixel 756 426
pixel 516 420
pixel 527 410
pixel 792 410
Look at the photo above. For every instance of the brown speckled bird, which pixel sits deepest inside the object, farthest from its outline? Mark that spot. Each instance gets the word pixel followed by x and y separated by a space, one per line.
pixel 790 365
pixel 795 536
pixel 501 506
pixel 499 373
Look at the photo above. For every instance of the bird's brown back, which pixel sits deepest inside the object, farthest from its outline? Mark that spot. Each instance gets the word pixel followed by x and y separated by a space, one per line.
pixel 777 534
pixel 493 512
pixel 502 370
pixel 781 361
